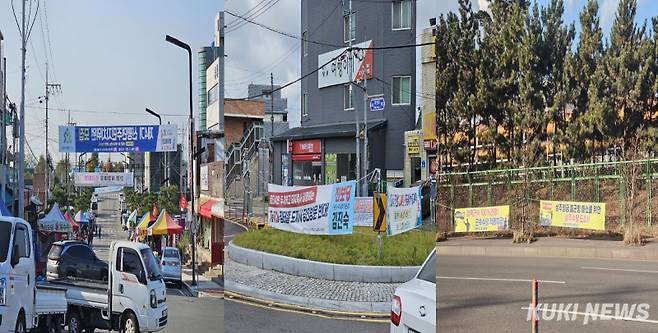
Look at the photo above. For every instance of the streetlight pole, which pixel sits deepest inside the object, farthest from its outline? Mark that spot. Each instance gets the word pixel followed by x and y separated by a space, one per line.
pixel 165 168
pixel 185 46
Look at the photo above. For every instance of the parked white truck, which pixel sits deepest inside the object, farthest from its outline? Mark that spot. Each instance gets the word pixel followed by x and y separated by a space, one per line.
pixel 132 300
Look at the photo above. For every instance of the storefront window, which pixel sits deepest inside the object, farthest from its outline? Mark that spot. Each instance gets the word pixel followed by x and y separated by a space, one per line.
pixel 416 170
pixel 345 167
pixel 330 176
pixel 306 173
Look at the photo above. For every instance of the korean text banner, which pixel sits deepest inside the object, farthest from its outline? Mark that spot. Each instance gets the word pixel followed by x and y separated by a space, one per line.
pixel 363 211
pixel 495 218
pixel 103 179
pixel 114 139
pixel 316 210
pixel 582 215
pixel 403 209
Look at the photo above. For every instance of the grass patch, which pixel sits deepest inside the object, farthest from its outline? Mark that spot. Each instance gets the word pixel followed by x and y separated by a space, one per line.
pixel 360 248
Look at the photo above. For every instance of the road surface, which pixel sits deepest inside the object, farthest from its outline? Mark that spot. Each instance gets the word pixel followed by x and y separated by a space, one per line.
pixel 186 313
pixel 476 294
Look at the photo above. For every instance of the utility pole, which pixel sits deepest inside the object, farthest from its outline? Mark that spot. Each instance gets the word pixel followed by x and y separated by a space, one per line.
pixel 46 170
pixel 350 70
pixel 3 131
pixel 271 105
pixel 365 126
pixel 21 131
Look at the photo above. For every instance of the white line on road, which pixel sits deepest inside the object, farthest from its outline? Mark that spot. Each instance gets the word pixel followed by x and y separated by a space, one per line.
pixel 594 315
pixel 495 279
pixel 620 270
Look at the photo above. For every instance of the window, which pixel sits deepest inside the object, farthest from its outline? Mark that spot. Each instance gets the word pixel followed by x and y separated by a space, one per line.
pixel 305 43
pixel 401 90
pixel 86 253
pixel 213 94
pixel 131 263
pixel 401 15
pixel 305 104
pixel 22 241
pixel 347 97
pixel 349 27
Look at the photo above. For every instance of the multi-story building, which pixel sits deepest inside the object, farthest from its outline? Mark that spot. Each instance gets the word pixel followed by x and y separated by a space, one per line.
pixel 274 104
pixel 211 72
pixel 323 150
pixel 155 166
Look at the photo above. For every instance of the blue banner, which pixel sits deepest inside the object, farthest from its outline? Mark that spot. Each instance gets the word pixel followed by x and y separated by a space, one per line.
pixel 341 208
pixel 115 139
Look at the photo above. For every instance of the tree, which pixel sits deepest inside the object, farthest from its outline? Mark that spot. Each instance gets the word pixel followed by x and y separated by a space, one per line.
pixel 107 166
pixel 91 165
pixel 59 196
pixel 83 200
pixel 168 199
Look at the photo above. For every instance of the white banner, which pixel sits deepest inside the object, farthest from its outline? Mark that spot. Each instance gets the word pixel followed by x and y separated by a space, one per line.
pixel 336 71
pixel 203 177
pixel 403 209
pixel 103 179
pixel 363 213
pixel 317 210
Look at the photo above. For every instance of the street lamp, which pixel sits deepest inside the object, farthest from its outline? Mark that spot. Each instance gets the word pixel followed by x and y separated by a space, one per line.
pixel 185 46
pixel 166 165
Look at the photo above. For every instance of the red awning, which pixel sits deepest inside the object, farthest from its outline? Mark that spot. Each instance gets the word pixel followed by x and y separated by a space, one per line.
pixel 206 209
pixel 306 157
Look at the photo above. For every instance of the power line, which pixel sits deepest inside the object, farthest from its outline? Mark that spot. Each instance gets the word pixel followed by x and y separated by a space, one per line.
pixel 103 111
pixel 252 16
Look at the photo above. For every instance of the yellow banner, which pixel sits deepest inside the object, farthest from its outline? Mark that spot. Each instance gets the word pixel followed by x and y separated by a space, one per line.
pixel 494 218
pixel 429 126
pixel 582 215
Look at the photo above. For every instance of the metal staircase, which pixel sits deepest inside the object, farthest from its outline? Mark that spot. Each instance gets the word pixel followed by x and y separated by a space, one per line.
pixel 245 149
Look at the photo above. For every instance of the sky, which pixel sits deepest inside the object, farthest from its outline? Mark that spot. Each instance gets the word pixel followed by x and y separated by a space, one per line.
pixel 112 60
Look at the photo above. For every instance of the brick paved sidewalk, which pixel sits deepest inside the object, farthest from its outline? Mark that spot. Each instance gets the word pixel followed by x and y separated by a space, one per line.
pixel 311 292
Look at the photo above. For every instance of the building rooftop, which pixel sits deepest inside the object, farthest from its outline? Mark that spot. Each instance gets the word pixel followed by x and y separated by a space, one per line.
pixel 244 108
pixel 327 130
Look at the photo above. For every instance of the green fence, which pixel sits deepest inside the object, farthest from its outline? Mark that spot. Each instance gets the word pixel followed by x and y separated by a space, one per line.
pixel 626 187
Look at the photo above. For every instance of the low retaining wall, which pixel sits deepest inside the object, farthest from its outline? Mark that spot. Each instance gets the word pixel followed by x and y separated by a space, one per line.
pixel 321 270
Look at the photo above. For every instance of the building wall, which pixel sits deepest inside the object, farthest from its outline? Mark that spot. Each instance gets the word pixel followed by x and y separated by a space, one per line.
pixel 154 173
pixel 280 104
pixel 214 116
pixel 234 127
pixel 373 22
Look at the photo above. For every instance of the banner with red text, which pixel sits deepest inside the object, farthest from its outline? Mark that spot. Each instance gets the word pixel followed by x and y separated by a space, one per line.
pixel 317 210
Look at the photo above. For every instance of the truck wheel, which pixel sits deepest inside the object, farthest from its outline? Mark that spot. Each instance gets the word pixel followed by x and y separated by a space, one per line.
pixel 55 325
pixel 74 323
pixel 20 324
pixel 130 324
pixel 90 329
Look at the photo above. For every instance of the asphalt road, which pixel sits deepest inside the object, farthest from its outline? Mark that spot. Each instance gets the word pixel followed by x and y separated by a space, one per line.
pixel 247 318
pixel 488 294
pixel 186 313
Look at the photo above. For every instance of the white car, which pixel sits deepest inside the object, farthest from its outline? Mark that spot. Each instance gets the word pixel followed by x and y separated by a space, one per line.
pixel 414 302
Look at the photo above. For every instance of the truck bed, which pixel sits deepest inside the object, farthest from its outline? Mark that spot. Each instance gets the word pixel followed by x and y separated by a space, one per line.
pixel 50 299
pixel 83 292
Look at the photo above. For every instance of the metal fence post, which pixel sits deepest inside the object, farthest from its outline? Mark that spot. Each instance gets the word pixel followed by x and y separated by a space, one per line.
pixel 597 184
pixel 573 184
pixel 470 190
pixel 489 197
pixel 649 190
pixel 622 195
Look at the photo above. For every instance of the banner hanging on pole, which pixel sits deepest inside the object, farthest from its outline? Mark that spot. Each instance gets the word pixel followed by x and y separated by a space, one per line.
pixel 316 210
pixel 403 209
pixel 116 139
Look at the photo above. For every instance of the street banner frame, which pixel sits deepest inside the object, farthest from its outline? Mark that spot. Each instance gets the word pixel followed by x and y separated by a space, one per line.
pixel 403 209
pixel 482 219
pixel 363 211
pixel 572 214
pixel 103 179
pixel 117 139
pixel 315 210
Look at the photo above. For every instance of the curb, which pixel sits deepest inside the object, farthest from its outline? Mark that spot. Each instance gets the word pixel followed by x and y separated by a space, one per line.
pixel 331 308
pixel 190 290
pixel 321 270
pixel 547 252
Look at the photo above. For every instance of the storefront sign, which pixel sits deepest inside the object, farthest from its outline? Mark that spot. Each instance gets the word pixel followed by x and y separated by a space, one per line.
pixel 429 145
pixel 413 145
pixel 581 215
pixel 403 209
pixel 336 65
pixel 203 177
pixel 307 157
pixel 306 147
pixel 114 139
pixel 482 219
pixel 363 211
pixel 95 179
pixel 317 210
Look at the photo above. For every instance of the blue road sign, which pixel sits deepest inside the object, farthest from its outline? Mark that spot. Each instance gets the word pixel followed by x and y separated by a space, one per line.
pixel 114 139
pixel 377 104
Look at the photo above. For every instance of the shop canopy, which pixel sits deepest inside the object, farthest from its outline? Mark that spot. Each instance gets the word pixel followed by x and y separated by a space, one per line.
pixel 143 224
pixel 69 219
pixel 164 225
pixel 54 221
pixel 212 208
pixel 81 217
pixel 132 218
pixel 3 209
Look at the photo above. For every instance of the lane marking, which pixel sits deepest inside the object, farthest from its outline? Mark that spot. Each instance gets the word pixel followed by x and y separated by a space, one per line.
pixel 619 270
pixel 595 315
pixel 497 279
